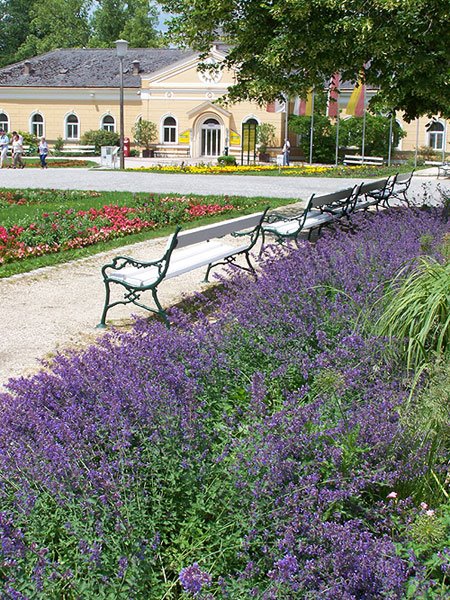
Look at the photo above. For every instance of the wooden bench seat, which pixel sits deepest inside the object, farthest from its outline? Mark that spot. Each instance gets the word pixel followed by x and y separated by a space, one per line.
pixel 185 251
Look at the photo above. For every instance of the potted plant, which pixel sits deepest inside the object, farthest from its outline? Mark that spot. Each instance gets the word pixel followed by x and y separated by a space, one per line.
pixel 144 134
pixel 265 137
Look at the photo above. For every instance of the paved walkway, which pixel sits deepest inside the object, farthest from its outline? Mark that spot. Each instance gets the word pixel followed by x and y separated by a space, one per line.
pixel 239 185
pixel 55 308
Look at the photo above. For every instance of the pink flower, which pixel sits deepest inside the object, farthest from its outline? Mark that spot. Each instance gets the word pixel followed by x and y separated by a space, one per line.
pixel 423 505
pixel 429 513
pixel 392 495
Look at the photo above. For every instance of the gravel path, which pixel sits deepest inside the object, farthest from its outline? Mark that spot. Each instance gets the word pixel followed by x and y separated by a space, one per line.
pixel 55 308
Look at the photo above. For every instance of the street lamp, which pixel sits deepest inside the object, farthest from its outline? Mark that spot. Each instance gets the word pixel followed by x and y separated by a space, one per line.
pixel 121 48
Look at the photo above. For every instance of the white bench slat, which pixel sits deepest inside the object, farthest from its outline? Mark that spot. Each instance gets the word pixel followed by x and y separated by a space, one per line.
pixel 217 230
pixel 193 258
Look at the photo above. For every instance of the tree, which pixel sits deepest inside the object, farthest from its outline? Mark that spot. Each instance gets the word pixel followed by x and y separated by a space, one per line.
pixel 134 21
pixel 56 24
pixel 279 46
pixel 14 27
pixel 99 138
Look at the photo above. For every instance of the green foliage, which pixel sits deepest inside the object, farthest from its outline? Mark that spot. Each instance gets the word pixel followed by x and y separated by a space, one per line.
pixel 100 137
pixel 376 139
pixel 58 145
pixel 145 133
pixel 324 140
pixel 418 311
pixel 226 160
pixel 134 21
pixel 56 24
pixel 279 47
pixel 265 136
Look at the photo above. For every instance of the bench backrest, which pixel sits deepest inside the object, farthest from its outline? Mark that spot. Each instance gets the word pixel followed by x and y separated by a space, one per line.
pixel 380 184
pixel 404 177
pixel 216 230
pixel 332 199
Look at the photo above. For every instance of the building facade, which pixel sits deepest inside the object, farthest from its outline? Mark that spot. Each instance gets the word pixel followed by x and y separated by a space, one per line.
pixel 64 93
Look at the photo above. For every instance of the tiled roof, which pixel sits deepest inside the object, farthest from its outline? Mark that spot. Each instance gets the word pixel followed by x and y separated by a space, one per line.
pixel 88 67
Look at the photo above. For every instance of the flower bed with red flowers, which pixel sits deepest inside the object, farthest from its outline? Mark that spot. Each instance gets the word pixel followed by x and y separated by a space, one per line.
pixel 56 231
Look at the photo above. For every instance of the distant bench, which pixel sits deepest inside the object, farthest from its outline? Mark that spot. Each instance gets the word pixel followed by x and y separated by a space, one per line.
pixel 77 149
pixel 185 251
pixel 354 159
pixel 329 209
pixel 443 167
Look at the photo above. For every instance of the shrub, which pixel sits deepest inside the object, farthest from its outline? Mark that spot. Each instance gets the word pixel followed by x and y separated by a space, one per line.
pixel 99 138
pixel 265 136
pixel 58 145
pixel 145 133
pixel 226 160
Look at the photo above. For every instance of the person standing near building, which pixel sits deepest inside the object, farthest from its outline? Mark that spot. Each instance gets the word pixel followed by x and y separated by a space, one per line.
pixel 4 144
pixel 43 152
pixel 17 151
pixel 286 152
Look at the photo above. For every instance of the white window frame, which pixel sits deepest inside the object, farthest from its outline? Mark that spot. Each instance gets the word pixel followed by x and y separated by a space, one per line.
pixel 113 124
pixel 67 125
pixel 436 138
pixel 40 125
pixel 2 123
pixel 171 128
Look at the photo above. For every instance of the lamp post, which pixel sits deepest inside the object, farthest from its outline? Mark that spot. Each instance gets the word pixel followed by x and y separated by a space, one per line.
pixel 121 48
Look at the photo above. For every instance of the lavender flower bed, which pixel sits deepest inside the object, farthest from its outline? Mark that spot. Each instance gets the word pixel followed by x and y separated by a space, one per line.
pixel 249 455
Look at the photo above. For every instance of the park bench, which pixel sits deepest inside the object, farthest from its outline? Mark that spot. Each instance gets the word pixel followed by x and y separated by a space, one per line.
pixel 354 159
pixel 401 186
pixel 184 252
pixel 319 211
pixel 443 167
pixel 77 149
pixel 375 194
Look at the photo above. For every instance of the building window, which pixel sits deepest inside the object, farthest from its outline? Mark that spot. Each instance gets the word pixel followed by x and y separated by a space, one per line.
pixel 108 123
pixel 436 135
pixel 169 130
pixel 72 127
pixel 4 122
pixel 37 125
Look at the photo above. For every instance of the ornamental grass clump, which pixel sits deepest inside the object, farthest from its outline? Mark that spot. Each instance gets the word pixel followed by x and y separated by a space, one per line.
pixel 418 309
pixel 250 452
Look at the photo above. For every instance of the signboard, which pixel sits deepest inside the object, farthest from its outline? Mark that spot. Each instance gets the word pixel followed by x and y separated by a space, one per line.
pixel 185 137
pixel 235 138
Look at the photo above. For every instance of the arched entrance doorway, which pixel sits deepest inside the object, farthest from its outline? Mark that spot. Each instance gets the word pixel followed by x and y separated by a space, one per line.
pixel 210 138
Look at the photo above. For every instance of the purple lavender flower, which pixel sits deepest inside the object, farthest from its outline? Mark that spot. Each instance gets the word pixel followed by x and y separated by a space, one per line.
pixel 193 579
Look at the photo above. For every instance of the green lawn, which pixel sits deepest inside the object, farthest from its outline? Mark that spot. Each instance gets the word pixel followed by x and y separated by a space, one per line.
pixel 42 202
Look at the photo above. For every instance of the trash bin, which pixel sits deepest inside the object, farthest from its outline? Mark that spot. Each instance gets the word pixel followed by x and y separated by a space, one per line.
pixel 280 160
pixel 108 156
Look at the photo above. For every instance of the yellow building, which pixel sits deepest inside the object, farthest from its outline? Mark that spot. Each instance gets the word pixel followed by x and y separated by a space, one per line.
pixel 64 93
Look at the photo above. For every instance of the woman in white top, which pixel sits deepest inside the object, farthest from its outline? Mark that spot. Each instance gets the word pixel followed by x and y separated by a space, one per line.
pixel 17 152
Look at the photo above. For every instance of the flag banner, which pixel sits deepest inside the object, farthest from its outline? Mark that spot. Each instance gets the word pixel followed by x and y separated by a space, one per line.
pixel 303 108
pixel 356 104
pixel 333 96
pixel 276 106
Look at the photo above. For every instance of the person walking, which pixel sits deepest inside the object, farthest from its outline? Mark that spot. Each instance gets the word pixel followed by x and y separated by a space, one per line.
pixel 4 145
pixel 286 152
pixel 17 151
pixel 43 152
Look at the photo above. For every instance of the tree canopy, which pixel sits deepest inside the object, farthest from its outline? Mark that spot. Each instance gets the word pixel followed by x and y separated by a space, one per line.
pixel 289 46
pixel 31 27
